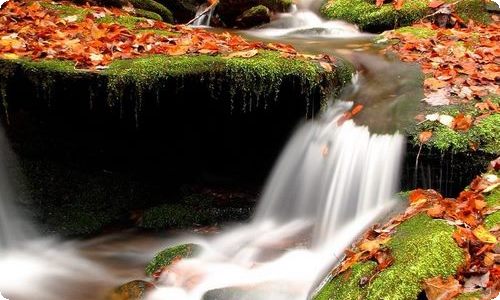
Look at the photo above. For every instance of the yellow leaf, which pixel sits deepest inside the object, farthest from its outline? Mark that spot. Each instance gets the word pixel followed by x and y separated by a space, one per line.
pixel 326 66
pixel 10 56
pixel 484 235
pixel 244 54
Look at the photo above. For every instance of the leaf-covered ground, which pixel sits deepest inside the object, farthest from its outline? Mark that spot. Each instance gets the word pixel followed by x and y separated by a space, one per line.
pixel 92 37
pixel 380 259
pixel 462 73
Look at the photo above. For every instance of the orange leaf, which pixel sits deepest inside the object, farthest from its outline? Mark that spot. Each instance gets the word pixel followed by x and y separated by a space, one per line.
pixel 461 122
pixel 356 109
pixel 379 3
pixel 424 136
pixel 435 3
pixel 398 4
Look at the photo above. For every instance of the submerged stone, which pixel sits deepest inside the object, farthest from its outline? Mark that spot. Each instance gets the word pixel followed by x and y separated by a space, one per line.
pixel 133 290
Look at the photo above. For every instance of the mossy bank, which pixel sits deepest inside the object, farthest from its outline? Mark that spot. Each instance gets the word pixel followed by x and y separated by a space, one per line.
pixel 129 88
pixel 422 248
pixel 368 17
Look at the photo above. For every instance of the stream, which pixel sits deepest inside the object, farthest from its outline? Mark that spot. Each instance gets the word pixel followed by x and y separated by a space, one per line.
pixel 330 183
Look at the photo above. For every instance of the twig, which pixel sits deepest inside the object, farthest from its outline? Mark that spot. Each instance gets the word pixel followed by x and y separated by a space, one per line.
pixel 209 8
pixel 439 10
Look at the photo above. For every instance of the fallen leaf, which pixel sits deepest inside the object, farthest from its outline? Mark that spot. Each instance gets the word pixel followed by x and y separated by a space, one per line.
pixel 442 289
pixel 424 136
pixel 244 54
pixel 326 66
pixel 446 120
pixel 484 235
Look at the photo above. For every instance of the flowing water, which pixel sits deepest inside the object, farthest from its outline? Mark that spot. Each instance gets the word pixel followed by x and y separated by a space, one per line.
pixel 330 183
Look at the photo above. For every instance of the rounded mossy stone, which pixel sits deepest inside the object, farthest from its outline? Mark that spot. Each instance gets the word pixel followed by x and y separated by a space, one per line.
pixel 368 17
pixel 422 248
pixel 133 290
pixel 153 6
pixel 147 14
pixel 169 255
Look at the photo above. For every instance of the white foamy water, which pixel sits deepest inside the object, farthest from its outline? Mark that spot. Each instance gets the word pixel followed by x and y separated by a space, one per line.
pixel 329 185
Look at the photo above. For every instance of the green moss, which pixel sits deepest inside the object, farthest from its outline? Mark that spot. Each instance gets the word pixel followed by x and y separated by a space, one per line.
pixel 128 21
pixel 492 220
pixel 348 285
pixel 493 198
pixel 422 248
pixel 66 10
pixel 444 138
pixel 153 6
pixel 486 133
pixel 418 32
pixel 167 256
pixel 473 9
pixel 470 296
pixel 367 16
pixel 277 5
pixel 147 14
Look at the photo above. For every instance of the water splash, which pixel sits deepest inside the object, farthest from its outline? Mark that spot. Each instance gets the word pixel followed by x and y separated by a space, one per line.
pixel 330 183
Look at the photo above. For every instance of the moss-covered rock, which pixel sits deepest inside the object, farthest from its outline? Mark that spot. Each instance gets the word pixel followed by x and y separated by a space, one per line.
pixel 368 17
pixel 254 16
pixel 133 290
pixel 129 88
pixel 228 11
pixel 422 248
pixel 153 6
pixel 168 256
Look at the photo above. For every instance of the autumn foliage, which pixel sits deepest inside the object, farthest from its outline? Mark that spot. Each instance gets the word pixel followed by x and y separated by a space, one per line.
pixel 481 270
pixel 30 30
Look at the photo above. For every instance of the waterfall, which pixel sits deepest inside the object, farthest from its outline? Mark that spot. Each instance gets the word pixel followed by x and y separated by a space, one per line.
pixel 204 15
pixel 330 183
pixel 14 229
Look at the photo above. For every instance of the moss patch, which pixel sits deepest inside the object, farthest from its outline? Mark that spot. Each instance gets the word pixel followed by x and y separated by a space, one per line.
pixel 348 285
pixel 66 10
pixel 418 32
pixel 167 256
pixel 367 16
pixel 127 21
pixel 493 198
pixel 492 220
pixel 422 248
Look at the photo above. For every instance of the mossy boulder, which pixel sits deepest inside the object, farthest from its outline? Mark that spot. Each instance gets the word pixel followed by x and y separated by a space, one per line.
pixel 133 290
pixel 228 11
pixel 368 17
pixel 422 248
pixel 168 256
pixel 254 16
pixel 155 7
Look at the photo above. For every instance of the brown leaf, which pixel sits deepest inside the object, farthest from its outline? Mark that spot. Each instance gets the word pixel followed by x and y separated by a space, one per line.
pixel 244 54
pixel 326 66
pixel 442 289
pixel 461 122
pixel 435 3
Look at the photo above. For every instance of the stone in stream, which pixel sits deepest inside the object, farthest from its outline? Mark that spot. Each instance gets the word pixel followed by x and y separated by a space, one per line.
pixel 133 290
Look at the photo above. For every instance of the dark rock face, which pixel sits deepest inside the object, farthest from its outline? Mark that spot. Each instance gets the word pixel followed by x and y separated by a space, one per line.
pixel 183 10
pixel 254 16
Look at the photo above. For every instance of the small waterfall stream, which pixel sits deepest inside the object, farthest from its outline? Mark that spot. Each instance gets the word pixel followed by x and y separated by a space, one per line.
pixel 330 183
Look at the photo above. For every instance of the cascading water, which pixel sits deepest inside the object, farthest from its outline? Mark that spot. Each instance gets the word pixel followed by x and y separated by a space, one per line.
pixel 204 16
pixel 330 183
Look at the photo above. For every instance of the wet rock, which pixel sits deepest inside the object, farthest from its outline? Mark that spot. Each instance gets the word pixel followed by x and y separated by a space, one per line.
pixel 254 16
pixel 170 255
pixel 133 290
